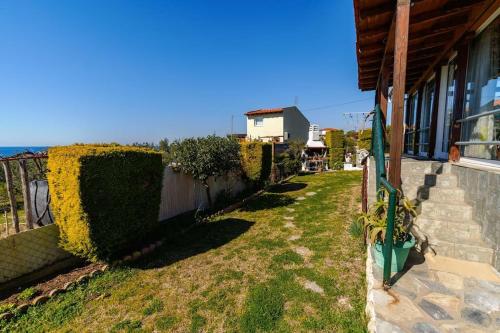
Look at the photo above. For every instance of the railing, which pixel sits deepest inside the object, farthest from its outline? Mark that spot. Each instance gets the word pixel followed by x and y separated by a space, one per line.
pixel 381 181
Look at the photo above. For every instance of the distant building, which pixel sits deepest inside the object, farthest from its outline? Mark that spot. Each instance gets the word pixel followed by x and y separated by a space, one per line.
pixel 278 124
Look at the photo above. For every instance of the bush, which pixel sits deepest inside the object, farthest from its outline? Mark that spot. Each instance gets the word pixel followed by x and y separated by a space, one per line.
pixel 211 156
pixel 105 198
pixel 256 160
pixel 365 139
pixel 334 140
pixel 290 160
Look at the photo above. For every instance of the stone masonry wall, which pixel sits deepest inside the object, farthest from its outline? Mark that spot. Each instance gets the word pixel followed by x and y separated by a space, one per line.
pixel 482 192
pixel 29 251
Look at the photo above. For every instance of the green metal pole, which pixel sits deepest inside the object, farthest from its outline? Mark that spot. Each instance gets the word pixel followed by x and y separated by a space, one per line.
pixel 388 242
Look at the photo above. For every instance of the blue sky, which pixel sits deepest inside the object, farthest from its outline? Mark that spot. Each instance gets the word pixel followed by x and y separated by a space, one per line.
pixel 126 71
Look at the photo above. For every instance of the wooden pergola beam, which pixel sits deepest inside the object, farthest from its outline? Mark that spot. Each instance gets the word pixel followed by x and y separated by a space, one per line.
pixel 477 12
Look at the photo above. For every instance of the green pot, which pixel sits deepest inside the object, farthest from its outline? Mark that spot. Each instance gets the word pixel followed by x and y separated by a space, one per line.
pixel 400 253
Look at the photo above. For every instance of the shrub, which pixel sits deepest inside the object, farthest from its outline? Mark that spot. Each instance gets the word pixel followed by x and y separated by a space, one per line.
pixel 211 156
pixel 365 139
pixel 256 160
pixel 105 198
pixel 290 160
pixel 334 140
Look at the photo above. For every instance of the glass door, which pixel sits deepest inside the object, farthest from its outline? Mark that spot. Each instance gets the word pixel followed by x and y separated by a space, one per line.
pixel 425 117
pixel 411 119
pixel 446 111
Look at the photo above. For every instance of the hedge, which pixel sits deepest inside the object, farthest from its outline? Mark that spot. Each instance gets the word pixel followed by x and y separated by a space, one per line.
pixel 256 160
pixel 105 198
pixel 365 139
pixel 334 140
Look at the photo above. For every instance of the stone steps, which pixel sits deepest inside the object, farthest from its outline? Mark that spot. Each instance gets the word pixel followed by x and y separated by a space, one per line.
pixel 444 216
pixel 451 231
pixel 438 210
pixel 477 252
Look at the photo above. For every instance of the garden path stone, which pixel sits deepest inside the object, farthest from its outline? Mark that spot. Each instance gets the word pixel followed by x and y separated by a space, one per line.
pixel 290 209
pixel 310 194
pixel 313 286
pixel 289 225
pixel 294 237
pixel 385 326
pixel 434 310
pixel 485 301
pixel 476 316
pixel 304 251
pixel 301 198
pixel 424 328
pixel 289 217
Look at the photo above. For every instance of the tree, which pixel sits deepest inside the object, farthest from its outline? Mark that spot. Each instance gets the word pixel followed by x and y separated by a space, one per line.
pixel 205 157
pixel 291 158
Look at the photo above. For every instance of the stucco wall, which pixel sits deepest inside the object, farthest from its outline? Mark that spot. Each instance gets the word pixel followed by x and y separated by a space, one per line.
pixel 29 251
pixel 296 124
pixel 272 126
pixel 482 192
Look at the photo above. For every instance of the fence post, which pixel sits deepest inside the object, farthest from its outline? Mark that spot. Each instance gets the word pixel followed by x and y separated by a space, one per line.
pixel 10 192
pixel 23 171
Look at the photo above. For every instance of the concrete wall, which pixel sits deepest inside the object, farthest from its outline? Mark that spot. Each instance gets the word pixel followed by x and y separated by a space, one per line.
pixel 272 126
pixel 296 124
pixel 181 193
pixel 29 251
pixel 482 192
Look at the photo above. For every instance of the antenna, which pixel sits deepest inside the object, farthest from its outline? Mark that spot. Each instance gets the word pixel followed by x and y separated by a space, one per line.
pixel 296 100
pixel 355 119
pixel 232 120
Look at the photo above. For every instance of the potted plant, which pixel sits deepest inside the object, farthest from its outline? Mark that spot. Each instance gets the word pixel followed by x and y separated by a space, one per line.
pixel 375 225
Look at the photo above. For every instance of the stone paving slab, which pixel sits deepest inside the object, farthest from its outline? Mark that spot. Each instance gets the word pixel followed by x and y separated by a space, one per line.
pixel 428 298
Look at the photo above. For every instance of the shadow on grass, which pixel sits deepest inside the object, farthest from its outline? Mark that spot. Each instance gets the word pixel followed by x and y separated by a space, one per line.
pixel 268 201
pixel 198 240
pixel 288 187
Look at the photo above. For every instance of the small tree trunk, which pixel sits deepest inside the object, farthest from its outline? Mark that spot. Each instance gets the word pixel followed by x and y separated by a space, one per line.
pixel 209 197
pixel 12 197
pixel 23 171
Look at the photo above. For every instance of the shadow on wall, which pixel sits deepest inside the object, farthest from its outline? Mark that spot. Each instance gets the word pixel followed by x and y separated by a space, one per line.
pixel 268 201
pixel 288 187
pixel 198 240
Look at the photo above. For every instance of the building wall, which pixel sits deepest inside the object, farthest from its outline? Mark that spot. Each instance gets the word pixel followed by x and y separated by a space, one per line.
pixel 272 126
pixel 482 193
pixel 296 124
pixel 29 251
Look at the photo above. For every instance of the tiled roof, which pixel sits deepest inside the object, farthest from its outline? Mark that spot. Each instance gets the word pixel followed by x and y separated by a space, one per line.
pixel 264 111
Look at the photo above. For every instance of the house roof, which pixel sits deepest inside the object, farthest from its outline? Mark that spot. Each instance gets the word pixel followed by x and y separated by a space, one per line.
pixel 264 111
pixel 434 29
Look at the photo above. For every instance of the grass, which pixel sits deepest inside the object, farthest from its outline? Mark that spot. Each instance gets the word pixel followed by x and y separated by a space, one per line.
pixel 242 272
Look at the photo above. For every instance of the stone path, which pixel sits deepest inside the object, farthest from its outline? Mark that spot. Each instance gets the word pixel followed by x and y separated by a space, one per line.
pixel 436 295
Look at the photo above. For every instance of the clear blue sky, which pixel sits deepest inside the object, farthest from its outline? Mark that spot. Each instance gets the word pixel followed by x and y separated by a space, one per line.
pixel 125 71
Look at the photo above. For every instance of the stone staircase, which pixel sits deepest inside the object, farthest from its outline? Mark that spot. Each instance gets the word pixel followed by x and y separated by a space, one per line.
pixel 445 219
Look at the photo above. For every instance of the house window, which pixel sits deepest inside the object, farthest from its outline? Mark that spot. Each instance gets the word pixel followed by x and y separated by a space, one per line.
pixel 480 137
pixel 258 122
pixel 450 102
pixel 425 118
pixel 411 119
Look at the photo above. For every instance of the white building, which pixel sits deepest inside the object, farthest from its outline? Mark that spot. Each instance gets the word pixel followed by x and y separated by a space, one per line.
pixel 278 124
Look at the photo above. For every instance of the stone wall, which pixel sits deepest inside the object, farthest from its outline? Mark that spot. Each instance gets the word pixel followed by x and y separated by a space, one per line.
pixel 482 192
pixel 29 251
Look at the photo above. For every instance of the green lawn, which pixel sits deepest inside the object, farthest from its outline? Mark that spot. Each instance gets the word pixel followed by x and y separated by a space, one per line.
pixel 280 264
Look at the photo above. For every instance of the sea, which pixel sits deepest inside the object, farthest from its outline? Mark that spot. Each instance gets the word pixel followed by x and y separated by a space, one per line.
pixel 10 151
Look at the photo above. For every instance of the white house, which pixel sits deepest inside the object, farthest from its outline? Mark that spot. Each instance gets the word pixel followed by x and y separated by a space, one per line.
pixel 278 124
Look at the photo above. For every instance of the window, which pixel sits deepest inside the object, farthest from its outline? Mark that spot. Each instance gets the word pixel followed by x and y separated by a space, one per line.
pixel 258 122
pixel 411 119
pixel 425 117
pixel 480 137
pixel 450 102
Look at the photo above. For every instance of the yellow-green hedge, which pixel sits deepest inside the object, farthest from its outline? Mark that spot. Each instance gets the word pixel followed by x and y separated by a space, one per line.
pixel 334 140
pixel 365 139
pixel 105 198
pixel 256 160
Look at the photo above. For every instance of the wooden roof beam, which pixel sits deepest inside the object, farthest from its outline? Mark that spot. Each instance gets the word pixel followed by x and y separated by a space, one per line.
pixel 488 7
